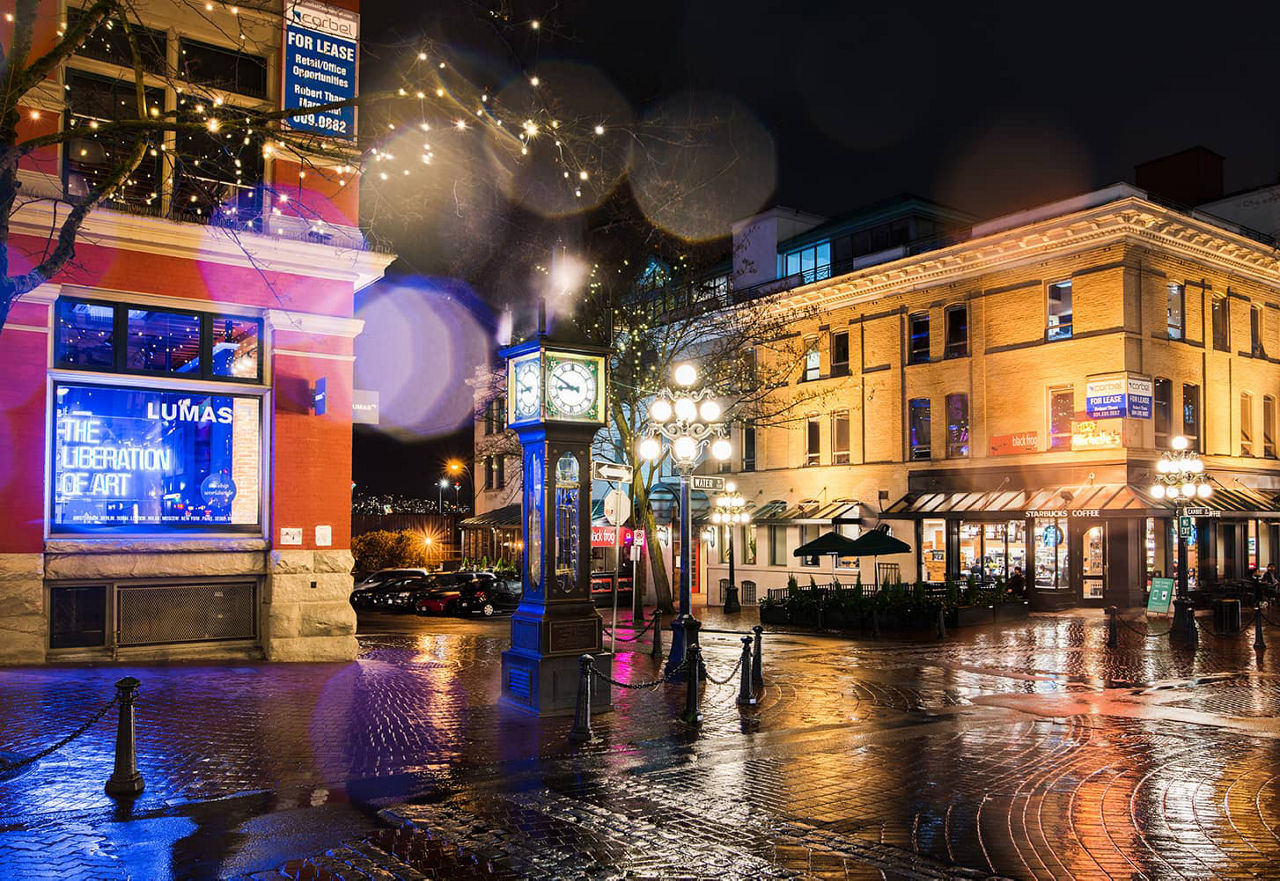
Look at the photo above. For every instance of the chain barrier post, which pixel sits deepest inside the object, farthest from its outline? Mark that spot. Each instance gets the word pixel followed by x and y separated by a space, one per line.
pixel 1112 637
pixel 757 658
pixel 581 730
pixel 657 633
pixel 693 659
pixel 125 781
pixel 1190 635
pixel 745 696
pixel 942 622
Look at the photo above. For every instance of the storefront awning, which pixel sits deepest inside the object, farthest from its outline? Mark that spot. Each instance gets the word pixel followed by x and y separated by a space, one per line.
pixel 506 517
pixel 778 511
pixel 1100 499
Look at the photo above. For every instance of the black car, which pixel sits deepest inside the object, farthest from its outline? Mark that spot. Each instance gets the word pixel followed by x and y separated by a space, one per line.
pixel 394 595
pixel 488 596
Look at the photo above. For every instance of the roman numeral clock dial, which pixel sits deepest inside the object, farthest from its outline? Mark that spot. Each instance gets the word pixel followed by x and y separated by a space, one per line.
pixel 572 389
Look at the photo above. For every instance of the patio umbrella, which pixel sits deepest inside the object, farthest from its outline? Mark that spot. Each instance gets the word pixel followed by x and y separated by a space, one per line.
pixel 873 543
pixel 829 543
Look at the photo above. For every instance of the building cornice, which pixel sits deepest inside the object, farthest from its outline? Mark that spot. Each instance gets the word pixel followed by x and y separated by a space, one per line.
pixel 316 325
pixel 1131 219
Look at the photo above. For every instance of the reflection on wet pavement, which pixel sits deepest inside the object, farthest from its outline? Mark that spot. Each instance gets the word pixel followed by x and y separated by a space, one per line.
pixel 1029 750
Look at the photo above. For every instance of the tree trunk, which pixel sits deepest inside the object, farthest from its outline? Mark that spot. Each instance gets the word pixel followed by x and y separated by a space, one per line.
pixel 661 580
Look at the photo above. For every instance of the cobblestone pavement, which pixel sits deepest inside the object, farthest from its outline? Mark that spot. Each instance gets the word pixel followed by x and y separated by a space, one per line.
pixel 1028 749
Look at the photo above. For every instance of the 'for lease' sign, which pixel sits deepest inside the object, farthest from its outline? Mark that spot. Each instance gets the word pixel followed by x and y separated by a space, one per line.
pixel 320 57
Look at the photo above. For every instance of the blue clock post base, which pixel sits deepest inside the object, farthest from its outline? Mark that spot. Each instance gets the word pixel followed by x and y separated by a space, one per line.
pixel 540 672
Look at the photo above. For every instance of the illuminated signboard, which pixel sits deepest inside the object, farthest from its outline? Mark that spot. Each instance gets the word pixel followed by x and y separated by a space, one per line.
pixel 320 54
pixel 1096 434
pixel 1011 444
pixel 139 460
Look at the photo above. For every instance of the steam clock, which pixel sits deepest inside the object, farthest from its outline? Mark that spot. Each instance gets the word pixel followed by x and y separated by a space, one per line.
pixel 556 397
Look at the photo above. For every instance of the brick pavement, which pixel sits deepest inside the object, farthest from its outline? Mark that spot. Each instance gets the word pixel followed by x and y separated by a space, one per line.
pixel 1029 750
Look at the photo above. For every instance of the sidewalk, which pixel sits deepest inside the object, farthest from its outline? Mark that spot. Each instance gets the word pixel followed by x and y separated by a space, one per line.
pixel 1028 749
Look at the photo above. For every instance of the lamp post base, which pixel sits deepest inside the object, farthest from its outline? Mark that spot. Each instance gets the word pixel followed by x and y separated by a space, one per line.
pixel 731 603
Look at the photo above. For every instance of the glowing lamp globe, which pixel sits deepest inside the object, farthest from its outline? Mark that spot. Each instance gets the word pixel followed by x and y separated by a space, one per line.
pixel 1180 442
pixel 650 448
pixel 1204 490
pixel 1157 491
pixel 1196 466
pixel 686 409
pixel 685 375
pixel 710 411
pixel 660 410
pixel 1164 466
pixel 721 449
pixel 1188 490
pixel 685 448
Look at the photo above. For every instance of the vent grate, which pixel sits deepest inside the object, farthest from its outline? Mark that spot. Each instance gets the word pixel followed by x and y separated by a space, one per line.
pixel 169 613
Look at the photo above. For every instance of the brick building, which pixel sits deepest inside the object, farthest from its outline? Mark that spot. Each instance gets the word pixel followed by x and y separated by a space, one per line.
pixel 176 415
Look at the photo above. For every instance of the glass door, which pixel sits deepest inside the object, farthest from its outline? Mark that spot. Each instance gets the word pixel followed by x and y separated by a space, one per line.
pixel 1094 563
pixel 1051 552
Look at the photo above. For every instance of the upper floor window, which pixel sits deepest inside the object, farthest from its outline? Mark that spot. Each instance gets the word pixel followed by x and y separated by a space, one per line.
pixel 91 155
pixel 1255 331
pixel 129 339
pixel 1062 409
pixel 918 338
pixel 957 332
pixel 840 437
pixel 749 447
pixel 840 353
pixel 812 442
pixel 1058 326
pixel 812 359
pixel 1269 426
pixel 812 261
pixel 495 415
pixel 488 472
pixel 109 43
pixel 957 425
pixel 1163 411
pixel 1191 414
pixel 777 545
pixel 219 68
pixel 1175 308
pixel 500 472
pixel 1246 424
pixel 919 427
pixel 1221 324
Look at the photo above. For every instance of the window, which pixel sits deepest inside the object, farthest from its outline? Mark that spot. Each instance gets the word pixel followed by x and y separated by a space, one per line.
pixel 749 447
pixel 1174 310
pixel 91 155
pixel 77 616
pixel 918 343
pixel 812 261
pixel 1191 414
pixel 495 415
pixel 957 425
pixel 1221 324
pixel 1163 411
pixel 840 353
pixel 808 533
pixel 1269 426
pixel 722 542
pixel 1255 331
pixel 214 183
pixel 1059 323
pixel 1246 424
pixel 222 68
pixel 813 444
pixel 1062 409
pixel 919 426
pixel 500 477
pixel 812 359
pixel 135 460
pixel 128 339
pixel 488 472
pixel 110 44
pixel 840 437
pixel 957 332
pixel 777 545
pixel 748 545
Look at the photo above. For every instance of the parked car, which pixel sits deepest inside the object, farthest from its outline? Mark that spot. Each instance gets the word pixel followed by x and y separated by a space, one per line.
pixel 488 597
pixel 382 576
pixel 440 599
pixel 372 595
pixel 393 595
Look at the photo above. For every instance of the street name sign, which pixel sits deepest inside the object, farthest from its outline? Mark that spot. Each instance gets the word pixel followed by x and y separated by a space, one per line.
pixel 613 471
pixel 715 484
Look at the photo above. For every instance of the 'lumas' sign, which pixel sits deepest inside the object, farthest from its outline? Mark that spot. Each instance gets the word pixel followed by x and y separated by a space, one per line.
pixel 139 460
pixel 321 50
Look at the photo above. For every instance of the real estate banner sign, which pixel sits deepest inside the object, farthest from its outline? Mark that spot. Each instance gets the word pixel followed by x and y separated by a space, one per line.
pixel 321 51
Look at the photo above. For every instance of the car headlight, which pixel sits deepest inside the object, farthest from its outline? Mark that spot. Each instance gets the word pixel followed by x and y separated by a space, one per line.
pixel 403 596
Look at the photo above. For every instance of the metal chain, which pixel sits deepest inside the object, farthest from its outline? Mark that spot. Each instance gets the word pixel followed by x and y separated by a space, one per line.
pixel 634 636
pixel 1216 635
pixel 728 678
pixel 1148 633
pixel 9 767
pixel 641 686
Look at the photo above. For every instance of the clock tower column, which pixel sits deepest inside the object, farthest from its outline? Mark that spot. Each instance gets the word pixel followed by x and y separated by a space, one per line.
pixel 556 394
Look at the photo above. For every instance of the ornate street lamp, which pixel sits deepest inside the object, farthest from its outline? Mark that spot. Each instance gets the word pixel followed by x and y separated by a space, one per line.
pixel 730 512
pixel 690 422
pixel 1180 478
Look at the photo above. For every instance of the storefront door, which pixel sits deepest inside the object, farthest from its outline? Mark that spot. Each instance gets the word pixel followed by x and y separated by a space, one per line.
pixel 1050 536
pixel 1093 565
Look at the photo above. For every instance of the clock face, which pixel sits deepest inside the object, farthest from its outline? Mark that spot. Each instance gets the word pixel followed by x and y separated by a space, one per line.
pixel 527 391
pixel 571 388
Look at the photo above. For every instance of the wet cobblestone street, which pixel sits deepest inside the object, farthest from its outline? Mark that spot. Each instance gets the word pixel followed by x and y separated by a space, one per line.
pixel 1026 750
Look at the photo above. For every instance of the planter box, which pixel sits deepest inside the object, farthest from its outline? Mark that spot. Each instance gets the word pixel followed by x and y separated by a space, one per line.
pixel 774 615
pixel 967 616
pixel 1012 611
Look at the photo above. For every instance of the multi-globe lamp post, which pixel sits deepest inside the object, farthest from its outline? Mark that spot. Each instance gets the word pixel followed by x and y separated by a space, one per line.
pixel 730 511
pixel 689 420
pixel 1180 479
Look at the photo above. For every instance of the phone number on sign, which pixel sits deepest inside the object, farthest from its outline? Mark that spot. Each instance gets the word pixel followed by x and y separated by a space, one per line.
pixel 322 121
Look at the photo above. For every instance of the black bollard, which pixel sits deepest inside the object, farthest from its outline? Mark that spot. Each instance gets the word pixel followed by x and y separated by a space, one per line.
pixel 1259 642
pixel 657 634
pixel 581 730
pixel 125 781
pixel 1190 635
pixel 1112 636
pixel 757 658
pixel 942 623
pixel 745 696
pixel 692 714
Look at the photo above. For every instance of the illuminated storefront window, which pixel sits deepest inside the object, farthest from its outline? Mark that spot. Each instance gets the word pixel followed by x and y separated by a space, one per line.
pixel 1050 534
pixel 933 549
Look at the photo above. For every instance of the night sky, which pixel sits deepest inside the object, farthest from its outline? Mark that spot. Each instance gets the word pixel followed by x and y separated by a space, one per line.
pixel 987 108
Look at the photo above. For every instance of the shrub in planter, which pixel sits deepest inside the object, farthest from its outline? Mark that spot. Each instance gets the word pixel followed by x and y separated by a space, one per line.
pixel 774 612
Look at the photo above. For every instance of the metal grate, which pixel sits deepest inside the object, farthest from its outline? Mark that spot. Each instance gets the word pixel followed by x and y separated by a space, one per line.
pixel 168 613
